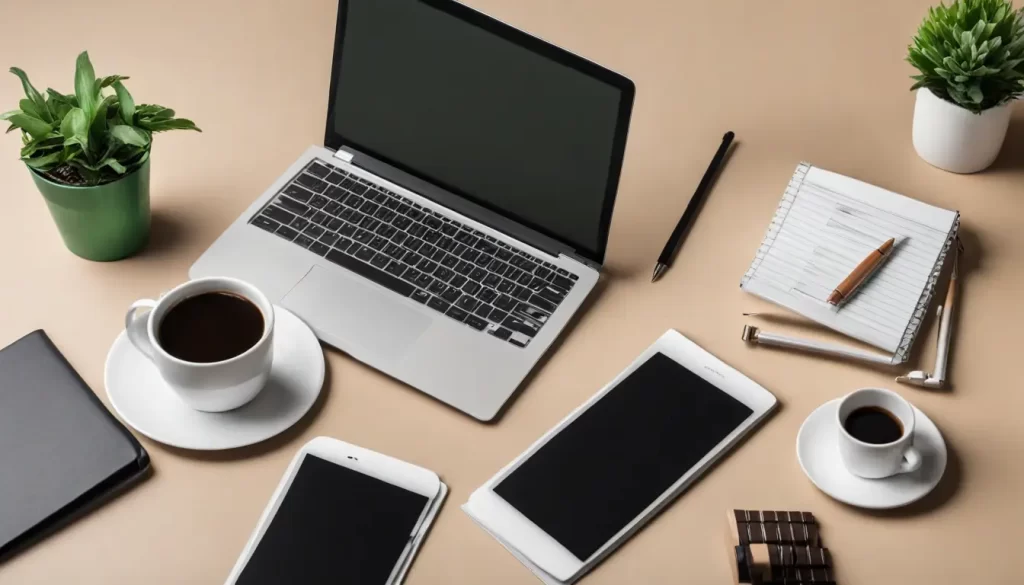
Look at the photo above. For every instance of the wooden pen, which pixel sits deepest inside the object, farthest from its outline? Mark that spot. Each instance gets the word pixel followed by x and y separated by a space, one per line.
pixel 861 272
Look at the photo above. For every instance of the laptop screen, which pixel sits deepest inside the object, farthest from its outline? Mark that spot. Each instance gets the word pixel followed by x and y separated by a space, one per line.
pixel 483 110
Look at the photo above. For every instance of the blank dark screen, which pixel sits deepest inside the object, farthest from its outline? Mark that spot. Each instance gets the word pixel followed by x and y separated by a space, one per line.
pixel 618 456
pixel 469 110
pixel 334 526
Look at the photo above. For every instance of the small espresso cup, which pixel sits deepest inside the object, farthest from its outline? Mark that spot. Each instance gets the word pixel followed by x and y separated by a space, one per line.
pixel 214 386
pixel 878 460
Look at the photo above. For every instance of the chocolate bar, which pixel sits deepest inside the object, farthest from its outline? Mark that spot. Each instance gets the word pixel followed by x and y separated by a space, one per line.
pixel 764 563
pixel 756 527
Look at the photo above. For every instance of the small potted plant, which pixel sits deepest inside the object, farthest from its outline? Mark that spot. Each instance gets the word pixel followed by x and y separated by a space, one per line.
pixel 88 153
pixel 970 56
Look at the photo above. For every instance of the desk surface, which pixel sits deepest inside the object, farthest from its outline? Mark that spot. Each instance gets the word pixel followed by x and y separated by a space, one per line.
pixel 817 81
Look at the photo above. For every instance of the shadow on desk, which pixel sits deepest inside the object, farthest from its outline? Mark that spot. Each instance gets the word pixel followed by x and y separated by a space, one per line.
pixel 272 444
pixel 1011 157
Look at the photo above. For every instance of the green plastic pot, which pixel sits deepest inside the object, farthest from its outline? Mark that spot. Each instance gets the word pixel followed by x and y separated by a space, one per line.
pixel 101 223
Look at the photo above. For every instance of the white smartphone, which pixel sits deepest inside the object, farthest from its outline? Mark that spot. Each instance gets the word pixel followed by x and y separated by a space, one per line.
pixel 341 514
pixel 610 465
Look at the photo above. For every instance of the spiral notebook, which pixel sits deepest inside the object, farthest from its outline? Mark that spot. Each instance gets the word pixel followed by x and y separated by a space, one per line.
pixel 824 226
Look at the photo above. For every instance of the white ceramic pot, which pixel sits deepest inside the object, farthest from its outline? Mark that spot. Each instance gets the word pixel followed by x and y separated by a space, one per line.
pixel 954 139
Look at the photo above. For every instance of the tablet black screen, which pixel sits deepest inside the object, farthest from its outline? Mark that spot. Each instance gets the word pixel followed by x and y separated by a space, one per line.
pixel 617 457
pixel 335 525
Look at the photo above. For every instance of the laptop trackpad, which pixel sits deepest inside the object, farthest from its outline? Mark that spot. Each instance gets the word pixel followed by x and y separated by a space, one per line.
pixel 367 318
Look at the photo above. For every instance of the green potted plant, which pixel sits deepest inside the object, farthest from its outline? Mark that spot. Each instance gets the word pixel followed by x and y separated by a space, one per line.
pixel 970 58
pixel 88 153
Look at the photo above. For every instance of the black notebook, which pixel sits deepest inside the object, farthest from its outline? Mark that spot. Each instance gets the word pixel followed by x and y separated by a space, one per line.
pixel 60 449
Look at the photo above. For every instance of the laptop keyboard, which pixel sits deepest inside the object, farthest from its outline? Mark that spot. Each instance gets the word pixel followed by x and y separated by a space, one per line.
pixel 471 277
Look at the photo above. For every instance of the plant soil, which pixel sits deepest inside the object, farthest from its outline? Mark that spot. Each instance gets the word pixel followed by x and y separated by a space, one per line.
pixel 67 175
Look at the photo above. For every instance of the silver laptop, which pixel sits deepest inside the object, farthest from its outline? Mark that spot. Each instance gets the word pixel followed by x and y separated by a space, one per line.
pixel 458 214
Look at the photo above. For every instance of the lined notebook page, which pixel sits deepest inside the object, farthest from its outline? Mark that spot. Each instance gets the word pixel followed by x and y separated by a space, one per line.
pixel 825 225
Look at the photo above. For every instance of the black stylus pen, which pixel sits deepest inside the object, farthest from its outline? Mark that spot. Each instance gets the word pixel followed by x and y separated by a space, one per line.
pixel 665 259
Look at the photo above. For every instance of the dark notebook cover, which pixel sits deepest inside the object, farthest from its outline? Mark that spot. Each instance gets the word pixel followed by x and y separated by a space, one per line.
pixel 60 449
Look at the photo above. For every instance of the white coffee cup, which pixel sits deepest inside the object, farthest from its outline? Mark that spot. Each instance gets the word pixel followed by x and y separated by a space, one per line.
pixel 876 461
pixel 215 386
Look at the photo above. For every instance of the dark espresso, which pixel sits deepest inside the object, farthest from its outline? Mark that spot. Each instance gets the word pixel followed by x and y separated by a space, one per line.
pixel 873 424
pixel 210 327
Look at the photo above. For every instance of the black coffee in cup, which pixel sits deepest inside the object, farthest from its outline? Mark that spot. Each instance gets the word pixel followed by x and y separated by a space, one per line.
pixel 873 424
pixel 211 327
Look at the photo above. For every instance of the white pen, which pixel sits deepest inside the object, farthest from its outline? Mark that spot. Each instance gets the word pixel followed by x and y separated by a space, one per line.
pixel 753 335
pixel 937 379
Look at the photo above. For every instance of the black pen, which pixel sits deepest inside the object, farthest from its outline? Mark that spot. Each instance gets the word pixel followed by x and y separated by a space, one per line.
pixel 665 259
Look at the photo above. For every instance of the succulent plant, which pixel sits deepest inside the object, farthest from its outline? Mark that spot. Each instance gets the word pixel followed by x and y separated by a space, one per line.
pixel 971 53
pixel 87 138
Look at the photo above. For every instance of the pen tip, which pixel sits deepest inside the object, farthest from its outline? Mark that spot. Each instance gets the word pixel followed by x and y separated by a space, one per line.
pixel 729 135
pixel 658 270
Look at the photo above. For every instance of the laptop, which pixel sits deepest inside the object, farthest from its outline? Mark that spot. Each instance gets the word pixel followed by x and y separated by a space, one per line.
pixel 457 216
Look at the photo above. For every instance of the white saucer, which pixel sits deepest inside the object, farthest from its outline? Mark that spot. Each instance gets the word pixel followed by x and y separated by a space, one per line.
pixel 817 449
pixel 143 401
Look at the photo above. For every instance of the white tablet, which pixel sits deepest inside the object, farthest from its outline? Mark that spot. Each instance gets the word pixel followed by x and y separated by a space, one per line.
pixel 596 477
pixel 341 514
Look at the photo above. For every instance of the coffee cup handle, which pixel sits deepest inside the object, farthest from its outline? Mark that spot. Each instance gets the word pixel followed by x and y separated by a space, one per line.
pixel 911 460
pixel 136 327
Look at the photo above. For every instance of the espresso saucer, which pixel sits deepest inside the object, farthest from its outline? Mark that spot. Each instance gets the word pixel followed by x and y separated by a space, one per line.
pixel 142 400
pixel 817 449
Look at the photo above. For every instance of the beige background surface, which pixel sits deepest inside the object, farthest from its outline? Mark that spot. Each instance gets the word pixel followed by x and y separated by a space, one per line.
pixel 817 81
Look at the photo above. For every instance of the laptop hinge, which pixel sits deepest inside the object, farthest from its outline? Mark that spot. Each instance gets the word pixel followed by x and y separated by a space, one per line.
pixel 343 155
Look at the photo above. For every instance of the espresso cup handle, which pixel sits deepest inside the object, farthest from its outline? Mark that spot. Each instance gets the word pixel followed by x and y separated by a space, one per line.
pixel 136 327
pixel 911 460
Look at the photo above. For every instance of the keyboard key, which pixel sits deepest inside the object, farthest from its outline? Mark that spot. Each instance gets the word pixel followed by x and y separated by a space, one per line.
pixel 321 218
pixel 401 223
pixel 530 312
pixel 319 201
pixel 299 223
pixel 536 283
pixel 443 273
pixel 497 315
pixel 463 267
pixel 552 293
pixel 562 282
pixel 506 303
pixel 458 249
pixel 451 295
pixel 432 236
pixel 313 230
pixel 438 255
pixel 437 287
pixel 411 274
pixel 513 273
pixel 528 266
pixel 438 305
pixel 336 177
pixel 329 238
pixel 396 268
pixel 427 266
pixel 310 182
pixel 518 339
pixel 334 208
pixel 464 237
pixel 298 193
pixel 368 207
pixel 433 222
pixel 486 247
pixel 354 201
pixel 394 250
pixel 359 188
pixel 522 293
pixel 343 244
pixel 318 170
pixel 379 276
pixel 516 260
pixel 487 295
pixel 467 303
pixel 483 310
pixel 543 303
pixel 427 250
pixel 445 243
pixel 470 254
pixel 483 260
pixel 347 230
pixel 478 274
pixel 286 232
pixel 412 258
pixel 449 229
pixel 265 223
pixel 524 279
pixel 505 286
pixel 424 280
pixel 334 225
pixel 504 254
pixel 414 214
pixel 364 253
pixel 417 229
pixel 449 261
pixel 319 248
pixel 380 260
pixel 363 237
pixel 278 214
pixel 456 313
pixel 369 223
pixel 492 280
pixel 386 231
pixel 471 287
pixel 458 280
pixel 355 217
pixel 542 272
pixel 399 237
pixel 501 333
pixel 419 296
pixel 521 325
pixel 392 203
pixel 563 272
pixel 378 243
pixel 476 322
pixel 379 196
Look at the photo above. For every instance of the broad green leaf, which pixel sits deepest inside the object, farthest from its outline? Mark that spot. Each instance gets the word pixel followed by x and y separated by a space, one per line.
pixel 130 135
pixel 155 112
pixel 111 80
pixel 114 164
pixel 50 141
pixel 98 128
pixel 85 86
pixel 974 92
pixel 75 128
pixel 172 124
pixel 126 101
pixel 30 108
pixel 45 163
pixel 7 115
pixel 31 93
pixel 34 126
